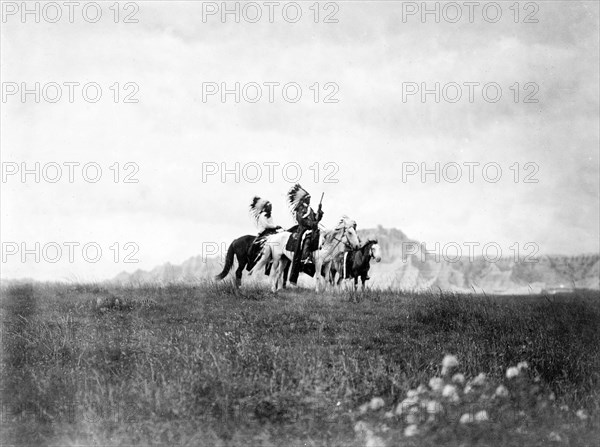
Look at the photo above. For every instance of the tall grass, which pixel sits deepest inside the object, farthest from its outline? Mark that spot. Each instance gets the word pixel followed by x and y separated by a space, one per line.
pixel 210 364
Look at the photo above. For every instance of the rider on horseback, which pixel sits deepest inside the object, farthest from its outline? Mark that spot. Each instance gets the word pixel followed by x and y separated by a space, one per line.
pixel 306 218
pixel 260 210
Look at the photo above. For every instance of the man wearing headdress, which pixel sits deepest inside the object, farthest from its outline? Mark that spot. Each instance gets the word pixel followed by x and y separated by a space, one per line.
pixel 307 219
pixel 260 210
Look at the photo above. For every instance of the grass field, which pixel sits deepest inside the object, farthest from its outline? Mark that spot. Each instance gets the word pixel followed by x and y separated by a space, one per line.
pixel 209 365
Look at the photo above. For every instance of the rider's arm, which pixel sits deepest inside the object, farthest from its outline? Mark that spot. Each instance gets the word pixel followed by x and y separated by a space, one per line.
pixel 319 213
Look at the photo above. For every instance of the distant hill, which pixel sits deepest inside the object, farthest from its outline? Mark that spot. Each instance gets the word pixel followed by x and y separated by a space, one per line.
pixel 405 266
pixel 193 269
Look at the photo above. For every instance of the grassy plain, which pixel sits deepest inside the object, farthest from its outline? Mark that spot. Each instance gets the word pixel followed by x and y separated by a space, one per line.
pixel 211 365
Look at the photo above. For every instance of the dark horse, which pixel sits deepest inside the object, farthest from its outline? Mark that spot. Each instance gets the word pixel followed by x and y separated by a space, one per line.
pixel 357 263
pixel 240 248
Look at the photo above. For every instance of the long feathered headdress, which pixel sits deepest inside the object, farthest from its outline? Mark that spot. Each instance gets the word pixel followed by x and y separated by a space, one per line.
pixel 296 194
pixel 257 206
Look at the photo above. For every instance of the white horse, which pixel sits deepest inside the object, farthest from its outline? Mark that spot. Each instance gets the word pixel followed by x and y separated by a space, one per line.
pixel 342 238
pixel 333 242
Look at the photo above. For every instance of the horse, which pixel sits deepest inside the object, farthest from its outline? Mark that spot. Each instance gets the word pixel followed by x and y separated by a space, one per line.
pixel 355 263
pixel 239 248
pixel 333 242
pixel 336 241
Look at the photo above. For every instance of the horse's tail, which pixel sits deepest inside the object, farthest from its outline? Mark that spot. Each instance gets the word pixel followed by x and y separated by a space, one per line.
pixel 228 263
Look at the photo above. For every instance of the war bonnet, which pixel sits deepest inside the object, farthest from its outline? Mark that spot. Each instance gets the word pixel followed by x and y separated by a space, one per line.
pixel 257 206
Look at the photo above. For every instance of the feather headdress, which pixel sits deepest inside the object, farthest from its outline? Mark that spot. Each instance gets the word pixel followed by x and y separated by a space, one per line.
pixel 296 194
pixel 257 206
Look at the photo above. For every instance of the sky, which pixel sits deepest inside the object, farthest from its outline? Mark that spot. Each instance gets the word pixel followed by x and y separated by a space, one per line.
pixel 361 132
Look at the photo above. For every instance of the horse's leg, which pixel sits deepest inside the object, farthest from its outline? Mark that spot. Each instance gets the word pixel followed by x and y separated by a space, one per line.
pixel 238 273
pixel 242 259
pixel 332 273
pixel 355 282
pixel 340 272
pixel 317 275
pixel 274 276
pixel 318 265
pixel 285 265
pixel 327 271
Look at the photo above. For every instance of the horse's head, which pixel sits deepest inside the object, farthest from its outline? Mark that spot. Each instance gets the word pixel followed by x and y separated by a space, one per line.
pixel 371 249
pixel 346 222
pixel 352 237
pixel 347 227
pixel 376 251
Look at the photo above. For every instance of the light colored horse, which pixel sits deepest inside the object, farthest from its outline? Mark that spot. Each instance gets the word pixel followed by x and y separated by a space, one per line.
pixel 274 248
pixel 333 242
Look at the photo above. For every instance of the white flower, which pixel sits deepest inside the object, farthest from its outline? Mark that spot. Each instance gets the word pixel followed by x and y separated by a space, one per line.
pixel 376 403
pixel 458 378
pixel 363 408
pixel 581 414
pixel 481 416
pixel 466 418
pixel 411 430
pixel 522 365
pixel 436 384
pixel 388 415
pixel 449 392
pixel 448 363
pixel 412 393
pixel 501 391
pixel 552 396
pixel 479 380
pixel 511 372
pixel 421 389
pixel 468 388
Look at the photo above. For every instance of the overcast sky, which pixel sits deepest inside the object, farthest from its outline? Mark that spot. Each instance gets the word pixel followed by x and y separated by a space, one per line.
pixel 368 137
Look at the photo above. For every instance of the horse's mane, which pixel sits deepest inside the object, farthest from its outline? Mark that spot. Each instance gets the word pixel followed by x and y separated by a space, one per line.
pixel 345 222
pixel 369 240
pixel 329 234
